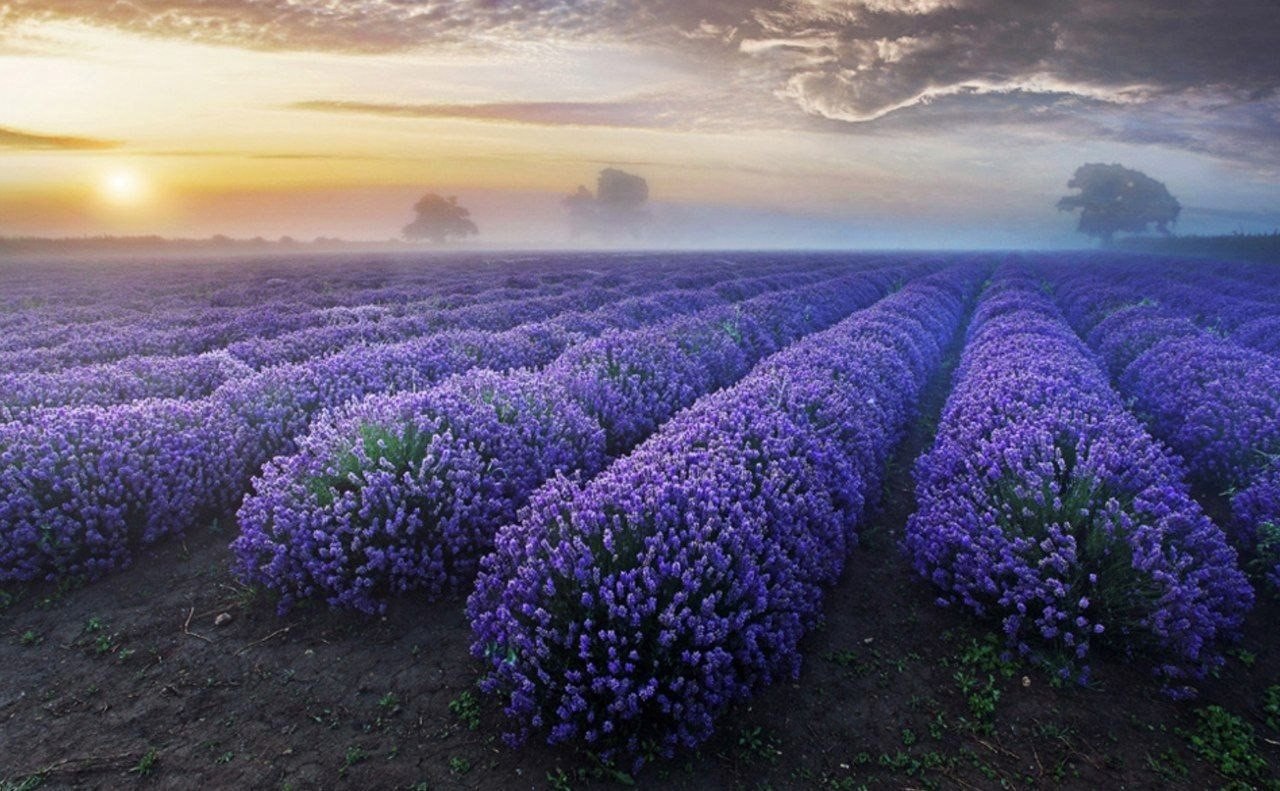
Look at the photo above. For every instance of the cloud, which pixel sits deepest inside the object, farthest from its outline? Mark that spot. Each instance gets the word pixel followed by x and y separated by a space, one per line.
pixel 635 114
pixel 13 139
pixel 1196 76
pixel 1119 67
pixel 336 25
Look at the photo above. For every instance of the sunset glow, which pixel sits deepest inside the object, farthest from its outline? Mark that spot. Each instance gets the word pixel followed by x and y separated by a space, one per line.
pixel 842 122
pixel 123 188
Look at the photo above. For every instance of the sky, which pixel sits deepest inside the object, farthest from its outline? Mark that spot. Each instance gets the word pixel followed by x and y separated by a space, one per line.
pixel 756 123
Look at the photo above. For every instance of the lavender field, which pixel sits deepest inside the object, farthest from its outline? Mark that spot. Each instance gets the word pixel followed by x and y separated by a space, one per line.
pixel 819 520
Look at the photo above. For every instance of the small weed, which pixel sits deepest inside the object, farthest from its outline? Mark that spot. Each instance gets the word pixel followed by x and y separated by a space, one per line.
pixel 1168 765
pixel 225 758
pixel 851 661
pixel 938 725
pixel 28 783
pixel 1226 742
pixel 30 638
pixel 147 763
pixel 1247 658
pixel 355 755
pixel 559 780
pixel 759 745
pixel 388 701
pixel 1271 706
pixel 466 708
pixel 459 765
pixel 908 737
pixel 980 664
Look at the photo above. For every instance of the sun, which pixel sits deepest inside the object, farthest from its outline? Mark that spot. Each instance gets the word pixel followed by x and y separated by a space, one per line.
pixel 123 188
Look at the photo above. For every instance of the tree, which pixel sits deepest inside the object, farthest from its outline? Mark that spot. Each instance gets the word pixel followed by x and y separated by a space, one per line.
pixel 619 205
pixel 439 219
pixel 1114 198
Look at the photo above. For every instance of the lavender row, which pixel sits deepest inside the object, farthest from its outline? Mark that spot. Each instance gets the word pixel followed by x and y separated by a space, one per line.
pixel 1045 504
pixel 278 403
pixel 404 493
pixel 255 341
pixel 190 376
pixel 1214 402
pixel 484 315
pixel 1238 300
pixel 626 613
pixel 199 322
pixel 46 296
pixel 80 486
pixel 197 375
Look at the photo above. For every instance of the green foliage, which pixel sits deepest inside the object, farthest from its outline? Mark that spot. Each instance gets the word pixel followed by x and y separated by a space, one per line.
pixel 757 744
pixel 979 666
pixel 1266 553
pixel 401 448
pixel 559 780
pixel 1168 765
pixel 459 765
pixel 1271 706
pixel 147 763
pixel 466 708
pixel 355 755
pixel 1227 743
pixel 29 783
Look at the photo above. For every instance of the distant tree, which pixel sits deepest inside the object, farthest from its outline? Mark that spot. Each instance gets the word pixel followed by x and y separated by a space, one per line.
pixel 1113 199
pixel 619 205
pixel 439 219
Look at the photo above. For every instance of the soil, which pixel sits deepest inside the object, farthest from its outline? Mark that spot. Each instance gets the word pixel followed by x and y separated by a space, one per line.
pixel 141 680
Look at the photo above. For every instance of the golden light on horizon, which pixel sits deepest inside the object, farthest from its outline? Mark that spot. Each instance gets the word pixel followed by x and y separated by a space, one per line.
pixel 123 187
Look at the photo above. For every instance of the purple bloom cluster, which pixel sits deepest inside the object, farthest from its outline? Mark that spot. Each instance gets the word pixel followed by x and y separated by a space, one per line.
pixel 392 493
pixel 1211 399
pixel 306 528
pixel 80 487
pixel 627 612
pixel 1262 333
pixel 1214 402
pixel 79 484
pixel 1045 504
pixel 129 379
pixel 281 331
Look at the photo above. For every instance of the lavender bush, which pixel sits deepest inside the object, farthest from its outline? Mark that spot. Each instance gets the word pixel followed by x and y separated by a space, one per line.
pixel 627 612
pixel 299 526
pixel 1045 504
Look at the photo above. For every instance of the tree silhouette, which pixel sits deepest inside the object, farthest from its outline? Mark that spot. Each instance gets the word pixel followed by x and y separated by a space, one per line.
pixel 439 219
pixel 619 205
pixel 1113 199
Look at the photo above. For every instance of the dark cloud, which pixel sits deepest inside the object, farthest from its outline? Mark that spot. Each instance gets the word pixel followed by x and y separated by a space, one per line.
pixel 1200 75
pixel 855 60
pixel 29 141
pixel 1195 75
